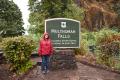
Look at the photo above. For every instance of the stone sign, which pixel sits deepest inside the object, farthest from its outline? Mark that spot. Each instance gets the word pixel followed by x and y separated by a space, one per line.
pixel 65 33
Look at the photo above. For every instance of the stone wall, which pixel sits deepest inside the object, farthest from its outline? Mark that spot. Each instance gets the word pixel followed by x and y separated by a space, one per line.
pixel 63 59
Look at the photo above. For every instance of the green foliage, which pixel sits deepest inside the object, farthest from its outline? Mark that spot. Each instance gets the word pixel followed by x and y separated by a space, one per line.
pixel 11 23
pixel 37 23
pixel 117 66
pixel 107 50
pixel 109 46
pixel 83 48
pixel 36 39
pixel 106 35
pixel 18 51
pixel 51 9
pixel 84 43
pixel 90 37
pixel 74 12
pixel 87 39
pixel 106 60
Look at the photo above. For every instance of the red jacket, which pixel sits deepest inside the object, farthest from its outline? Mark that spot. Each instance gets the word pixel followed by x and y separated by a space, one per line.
pixel 45 46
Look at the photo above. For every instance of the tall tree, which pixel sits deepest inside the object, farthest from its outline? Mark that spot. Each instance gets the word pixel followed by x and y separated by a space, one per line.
pixel 45 9
pixel 11 22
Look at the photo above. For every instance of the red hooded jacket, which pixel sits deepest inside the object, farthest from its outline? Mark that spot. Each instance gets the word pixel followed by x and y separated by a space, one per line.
pixel 45 46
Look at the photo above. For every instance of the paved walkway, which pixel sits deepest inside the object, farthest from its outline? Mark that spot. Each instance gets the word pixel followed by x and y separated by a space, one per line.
pixel 82 73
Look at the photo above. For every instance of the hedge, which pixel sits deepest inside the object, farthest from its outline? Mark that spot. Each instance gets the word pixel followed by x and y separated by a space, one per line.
pixel 17 51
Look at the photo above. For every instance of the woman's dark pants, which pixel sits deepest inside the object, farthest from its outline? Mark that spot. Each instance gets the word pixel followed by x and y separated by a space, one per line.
pixel 45 63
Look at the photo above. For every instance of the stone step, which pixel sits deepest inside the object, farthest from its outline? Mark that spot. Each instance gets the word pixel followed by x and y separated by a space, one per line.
pixel 34 55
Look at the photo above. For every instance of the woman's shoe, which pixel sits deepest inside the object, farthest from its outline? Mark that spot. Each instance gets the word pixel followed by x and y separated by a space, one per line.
pixel 48 71
pixel 43 72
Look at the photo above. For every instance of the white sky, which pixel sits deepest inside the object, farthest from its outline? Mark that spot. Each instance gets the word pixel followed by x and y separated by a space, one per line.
pixel 23 5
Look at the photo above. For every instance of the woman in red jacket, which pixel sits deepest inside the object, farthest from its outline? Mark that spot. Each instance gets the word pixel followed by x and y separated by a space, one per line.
pixel 45 51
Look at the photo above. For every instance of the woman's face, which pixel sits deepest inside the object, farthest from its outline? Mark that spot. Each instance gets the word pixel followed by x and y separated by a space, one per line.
pixel 46 36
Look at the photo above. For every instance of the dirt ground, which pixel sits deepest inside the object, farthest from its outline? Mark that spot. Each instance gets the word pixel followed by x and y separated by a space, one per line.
pixel 4 73
pixel 83 72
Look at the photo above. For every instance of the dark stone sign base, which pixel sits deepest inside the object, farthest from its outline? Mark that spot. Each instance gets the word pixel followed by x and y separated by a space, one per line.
pixel 63 59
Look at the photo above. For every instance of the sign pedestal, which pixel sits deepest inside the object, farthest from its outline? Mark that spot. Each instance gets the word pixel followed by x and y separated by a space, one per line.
pixel 63 59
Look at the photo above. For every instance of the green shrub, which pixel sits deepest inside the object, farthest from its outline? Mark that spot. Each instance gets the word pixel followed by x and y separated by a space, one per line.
pixel 106 60
pixel 108 52
pixel 18 51
pixel 83 48
pixel 109 46
pixel 106 35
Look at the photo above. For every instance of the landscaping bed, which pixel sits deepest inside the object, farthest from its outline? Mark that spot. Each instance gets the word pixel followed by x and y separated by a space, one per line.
pixel 90 60
pixel 6 74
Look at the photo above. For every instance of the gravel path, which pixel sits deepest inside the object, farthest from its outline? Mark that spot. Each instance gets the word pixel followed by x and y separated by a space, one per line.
pixel 82 73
